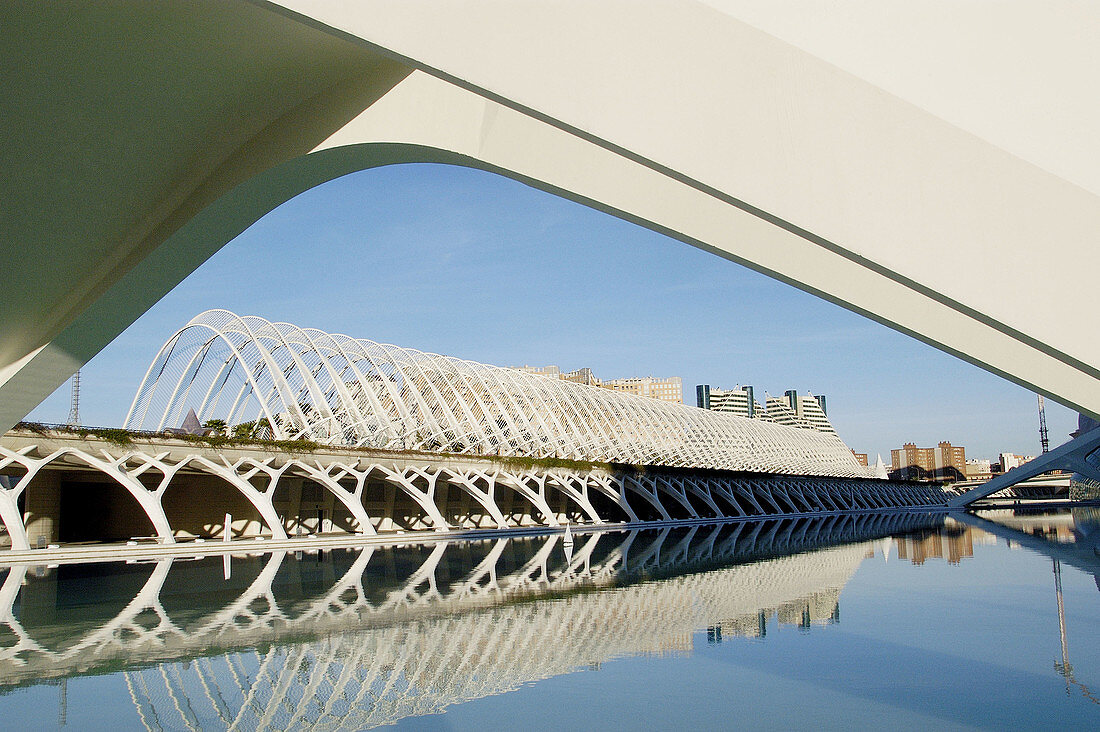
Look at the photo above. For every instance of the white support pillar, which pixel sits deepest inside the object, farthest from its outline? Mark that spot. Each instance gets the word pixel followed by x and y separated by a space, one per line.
pixel 350 500
pixel 486 499
pixel 537 501
pixel 262 500
pixel 650 495
pixel 13 519
pixel 618 496
pixel 563 484
pixel 424 499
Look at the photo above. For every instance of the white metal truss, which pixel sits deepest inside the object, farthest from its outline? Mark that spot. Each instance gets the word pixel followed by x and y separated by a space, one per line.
pixel 337 390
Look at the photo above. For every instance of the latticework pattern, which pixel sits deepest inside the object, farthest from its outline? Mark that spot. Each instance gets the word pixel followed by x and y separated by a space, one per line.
pixel 338 390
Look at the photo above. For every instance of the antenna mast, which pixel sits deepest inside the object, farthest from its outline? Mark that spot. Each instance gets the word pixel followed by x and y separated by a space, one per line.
pixel 1043 438
pixel 74 409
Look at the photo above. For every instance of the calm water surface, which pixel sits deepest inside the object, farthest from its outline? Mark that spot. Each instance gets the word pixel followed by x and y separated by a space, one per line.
pixel 870 622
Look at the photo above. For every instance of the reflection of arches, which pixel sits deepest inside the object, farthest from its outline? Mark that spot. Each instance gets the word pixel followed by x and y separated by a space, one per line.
pixel 274 596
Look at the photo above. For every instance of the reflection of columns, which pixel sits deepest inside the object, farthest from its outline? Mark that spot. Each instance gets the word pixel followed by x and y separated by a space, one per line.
pixel 241 608
pixel 348 601
pixel 9 592
pixel 124 626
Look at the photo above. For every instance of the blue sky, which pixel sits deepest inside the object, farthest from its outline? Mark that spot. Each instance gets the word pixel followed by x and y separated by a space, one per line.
pixel 469 264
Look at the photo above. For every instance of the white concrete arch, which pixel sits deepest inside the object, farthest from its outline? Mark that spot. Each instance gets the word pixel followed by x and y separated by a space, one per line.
pixel 750 146
pixel 149 501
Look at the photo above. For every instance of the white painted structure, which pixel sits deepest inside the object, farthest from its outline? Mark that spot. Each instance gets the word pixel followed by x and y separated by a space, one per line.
pixel 337 390
pixel 867 156
pixel 493 494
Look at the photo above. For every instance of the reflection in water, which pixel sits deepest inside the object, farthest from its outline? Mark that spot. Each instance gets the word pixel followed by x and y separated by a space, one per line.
pixel 1072 536
pixel 354 639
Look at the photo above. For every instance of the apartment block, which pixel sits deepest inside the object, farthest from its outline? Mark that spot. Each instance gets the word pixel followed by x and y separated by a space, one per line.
pixel 667 390
pixel 943 462
pixel 670 389
pixel 805 411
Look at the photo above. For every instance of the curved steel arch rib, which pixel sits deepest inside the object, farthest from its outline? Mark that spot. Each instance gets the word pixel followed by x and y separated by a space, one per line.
pixel 449 405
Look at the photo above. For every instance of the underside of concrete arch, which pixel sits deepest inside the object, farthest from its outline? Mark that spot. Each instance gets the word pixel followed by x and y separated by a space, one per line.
pixel 720 136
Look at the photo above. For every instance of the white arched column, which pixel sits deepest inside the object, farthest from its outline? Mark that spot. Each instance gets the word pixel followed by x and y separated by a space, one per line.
pixel 403 480
pixel 564 484
pixel 351 500
pixel 261 500
pixel 485 498
pixel 536 499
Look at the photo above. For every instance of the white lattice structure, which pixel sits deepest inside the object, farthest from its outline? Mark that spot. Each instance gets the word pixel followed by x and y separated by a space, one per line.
pixel 337 390
pixel 448 492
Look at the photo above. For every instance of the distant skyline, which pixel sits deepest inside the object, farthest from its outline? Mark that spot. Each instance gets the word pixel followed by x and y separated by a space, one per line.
pixel 469 264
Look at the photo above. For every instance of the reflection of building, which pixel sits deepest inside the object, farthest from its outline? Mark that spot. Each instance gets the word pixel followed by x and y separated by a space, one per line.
pixel 952 543
pixel 805 411
pixel 943 462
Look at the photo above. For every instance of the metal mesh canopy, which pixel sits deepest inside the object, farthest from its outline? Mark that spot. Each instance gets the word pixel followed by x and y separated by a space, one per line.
pixel 344 391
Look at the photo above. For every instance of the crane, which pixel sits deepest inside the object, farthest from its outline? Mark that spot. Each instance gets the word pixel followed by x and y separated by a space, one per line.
pixel 1044 440
pixel 74 407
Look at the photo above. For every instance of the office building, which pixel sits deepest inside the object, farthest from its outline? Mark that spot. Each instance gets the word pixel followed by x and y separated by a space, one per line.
pixel 582 376
pixel 551 371
pixel 978 469
pixel 794 410
pixel 669 390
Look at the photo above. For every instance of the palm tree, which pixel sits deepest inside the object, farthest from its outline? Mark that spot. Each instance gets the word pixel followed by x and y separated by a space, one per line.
pixel 216 425
pixel 245 430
